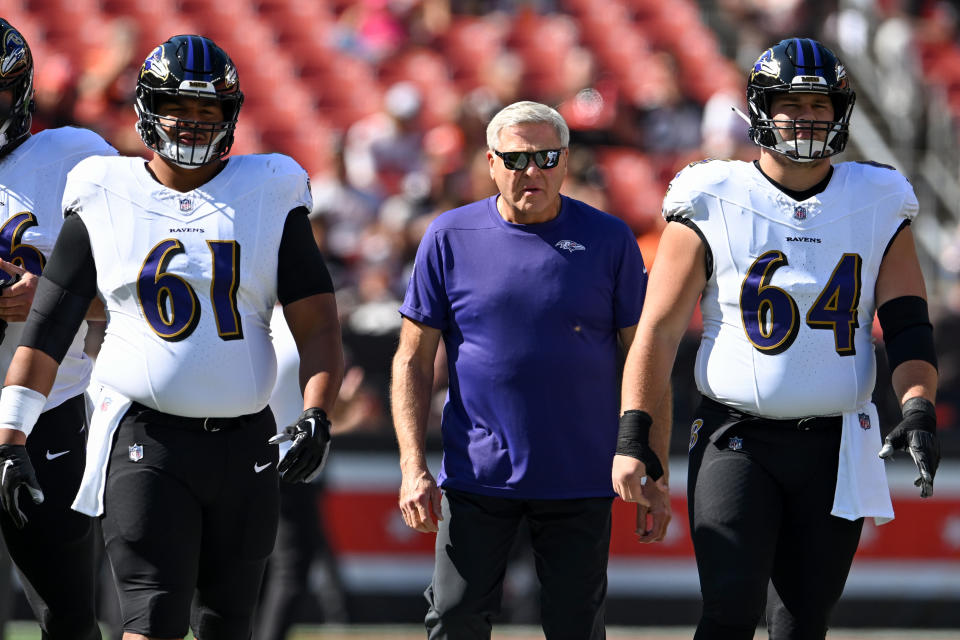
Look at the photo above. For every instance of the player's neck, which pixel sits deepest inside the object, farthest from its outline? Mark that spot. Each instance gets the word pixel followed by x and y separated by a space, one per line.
pixel 180 179
pixel 796 176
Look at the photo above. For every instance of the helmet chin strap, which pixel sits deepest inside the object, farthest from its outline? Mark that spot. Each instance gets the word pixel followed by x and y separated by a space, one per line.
pixel 798 150
pixel 4 140
pixel 185 156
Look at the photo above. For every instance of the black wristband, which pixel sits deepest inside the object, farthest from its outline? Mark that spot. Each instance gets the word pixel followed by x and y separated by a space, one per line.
pixel 921 412
pixel 633 437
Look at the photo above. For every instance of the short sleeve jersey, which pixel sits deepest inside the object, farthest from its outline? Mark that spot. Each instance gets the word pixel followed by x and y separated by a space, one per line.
pixel 189 279
pixel 789 304
pixel 32 179
pixel 529 316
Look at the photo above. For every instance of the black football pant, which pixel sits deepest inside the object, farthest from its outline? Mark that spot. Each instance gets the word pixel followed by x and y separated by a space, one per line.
pixel 570 540
pixel 759 497
pixel 190 517
pixel 54 552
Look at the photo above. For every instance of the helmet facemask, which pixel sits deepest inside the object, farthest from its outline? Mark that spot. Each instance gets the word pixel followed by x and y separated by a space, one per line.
pixel 786 136
pixel 163 133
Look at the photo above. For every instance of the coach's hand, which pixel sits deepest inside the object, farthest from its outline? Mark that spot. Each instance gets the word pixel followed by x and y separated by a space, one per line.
pixel 917 434
pixel 420 500
pixel 16 473
pixel 311 442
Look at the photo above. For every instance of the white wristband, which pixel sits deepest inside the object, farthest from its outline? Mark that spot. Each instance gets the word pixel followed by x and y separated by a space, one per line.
pixel 20 407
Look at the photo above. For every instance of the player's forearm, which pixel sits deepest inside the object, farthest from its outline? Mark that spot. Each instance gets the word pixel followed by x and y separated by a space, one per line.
pixel 915 378
pixel 646 373
pixel 33 369
pixel 410 394
pixel 321 369
pixel 96 311
pixel 661 429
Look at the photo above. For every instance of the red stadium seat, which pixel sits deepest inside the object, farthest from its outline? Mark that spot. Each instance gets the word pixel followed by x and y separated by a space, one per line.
pixel 309 142
pixel 143 10
pixel 634 191
pixel 469 45
pixel 315 11
pixel 420 66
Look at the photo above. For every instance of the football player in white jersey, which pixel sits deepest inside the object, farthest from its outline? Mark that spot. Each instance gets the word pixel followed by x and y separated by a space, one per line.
pixel 189 252
pixel 790 256
pixel 33 171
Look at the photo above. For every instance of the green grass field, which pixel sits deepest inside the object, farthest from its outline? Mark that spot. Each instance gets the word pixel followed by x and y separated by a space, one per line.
pixel 28 631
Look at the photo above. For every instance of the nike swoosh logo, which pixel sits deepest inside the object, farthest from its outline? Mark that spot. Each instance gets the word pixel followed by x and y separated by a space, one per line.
pixel 257 468
pixel 54 456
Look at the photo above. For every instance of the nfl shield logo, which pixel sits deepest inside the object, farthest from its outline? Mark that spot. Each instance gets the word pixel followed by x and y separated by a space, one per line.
pixel 800 213
pixel 736 443
pixel 864 421
pixel 186 204
pixel 105 404
pixel 136 452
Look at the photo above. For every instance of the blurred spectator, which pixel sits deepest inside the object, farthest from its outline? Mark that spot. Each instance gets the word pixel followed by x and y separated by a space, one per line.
pixel 54 92
pixel 669 121
pixel 584 179
pixel 104 78
pixel 385 147
pixel 344 209
pixel 723 132
pixel 369 30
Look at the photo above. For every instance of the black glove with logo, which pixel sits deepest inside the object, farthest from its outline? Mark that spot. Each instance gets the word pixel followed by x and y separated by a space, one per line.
pixel 16 472
pixel 917 434
pixel 311 442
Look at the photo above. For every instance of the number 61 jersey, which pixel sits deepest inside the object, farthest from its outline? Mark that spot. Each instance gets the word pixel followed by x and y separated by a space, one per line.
pixel 789 303
pixel 189 279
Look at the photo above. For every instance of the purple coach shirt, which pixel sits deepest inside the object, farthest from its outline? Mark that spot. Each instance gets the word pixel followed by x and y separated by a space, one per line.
pixel 529 316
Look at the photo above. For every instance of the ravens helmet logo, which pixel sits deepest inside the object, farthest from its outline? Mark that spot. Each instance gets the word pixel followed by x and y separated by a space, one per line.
pixel 156 64
pixel 14 52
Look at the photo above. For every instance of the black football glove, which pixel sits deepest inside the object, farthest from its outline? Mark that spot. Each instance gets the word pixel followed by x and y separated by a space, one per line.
pixel 16 472
pixel 311 442
pixel 917 434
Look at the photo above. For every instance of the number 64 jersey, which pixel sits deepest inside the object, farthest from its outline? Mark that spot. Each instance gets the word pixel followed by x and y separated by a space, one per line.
pixel 789 301
pixel 189 279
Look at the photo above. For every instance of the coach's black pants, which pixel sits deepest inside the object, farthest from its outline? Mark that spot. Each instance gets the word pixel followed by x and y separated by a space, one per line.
pixel 570 540
pixel 54 552
pixel 759 499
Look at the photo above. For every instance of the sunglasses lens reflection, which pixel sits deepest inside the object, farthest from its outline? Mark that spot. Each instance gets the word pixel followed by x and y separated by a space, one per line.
pixel 519 160
pixel 516 160
pixel 547 159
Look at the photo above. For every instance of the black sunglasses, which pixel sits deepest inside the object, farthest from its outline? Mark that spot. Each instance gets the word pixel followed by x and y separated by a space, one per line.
pixel 519 160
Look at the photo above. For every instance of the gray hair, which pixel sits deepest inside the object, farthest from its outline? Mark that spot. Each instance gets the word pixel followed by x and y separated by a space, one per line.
pixel 526 112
